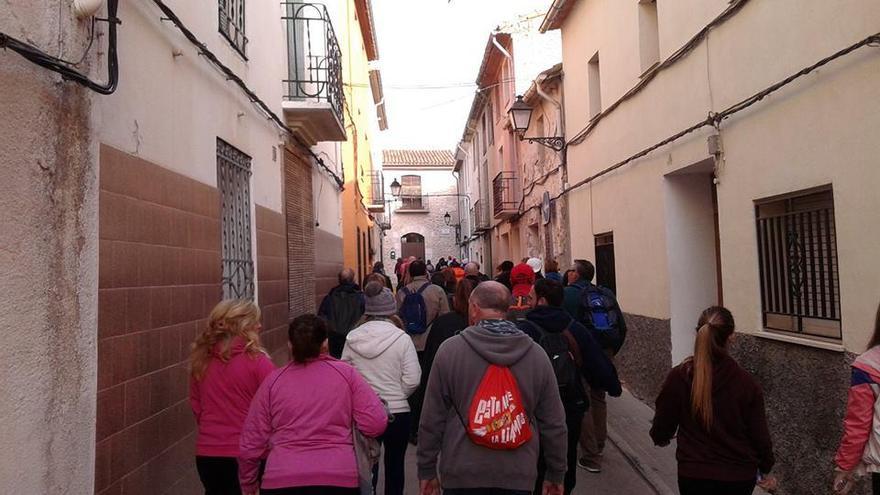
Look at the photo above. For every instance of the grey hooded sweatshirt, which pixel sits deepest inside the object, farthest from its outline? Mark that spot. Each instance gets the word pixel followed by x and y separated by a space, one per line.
pixel 457 371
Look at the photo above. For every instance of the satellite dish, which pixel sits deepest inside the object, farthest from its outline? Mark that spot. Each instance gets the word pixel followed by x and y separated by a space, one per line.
pixel 545 208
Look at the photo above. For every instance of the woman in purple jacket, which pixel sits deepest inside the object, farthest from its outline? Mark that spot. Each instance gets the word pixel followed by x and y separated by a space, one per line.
pixel 301 421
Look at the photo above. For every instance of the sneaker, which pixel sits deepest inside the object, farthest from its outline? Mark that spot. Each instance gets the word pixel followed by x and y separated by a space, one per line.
pixel 589 465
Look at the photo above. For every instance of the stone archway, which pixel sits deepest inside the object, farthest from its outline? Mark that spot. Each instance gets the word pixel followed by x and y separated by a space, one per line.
pixel 412 244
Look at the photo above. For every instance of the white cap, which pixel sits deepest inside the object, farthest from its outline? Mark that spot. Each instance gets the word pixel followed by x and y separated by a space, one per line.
pixel 536 264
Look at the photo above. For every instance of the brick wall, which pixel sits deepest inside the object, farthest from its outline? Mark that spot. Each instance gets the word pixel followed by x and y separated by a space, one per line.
pixel 272 281
pixel 159 277
pixel 159 274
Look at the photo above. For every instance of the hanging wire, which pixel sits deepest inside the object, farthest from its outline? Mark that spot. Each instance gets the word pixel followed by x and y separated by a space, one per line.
pixel 714 119
pixel 231 76
pixel 67 69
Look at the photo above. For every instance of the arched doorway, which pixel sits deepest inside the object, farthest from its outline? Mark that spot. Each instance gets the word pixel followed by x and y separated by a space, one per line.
pixel 412 244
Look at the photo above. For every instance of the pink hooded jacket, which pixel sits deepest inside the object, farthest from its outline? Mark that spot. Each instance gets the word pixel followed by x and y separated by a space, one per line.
pixel 860 446
pixel 220 400
pixel 302 417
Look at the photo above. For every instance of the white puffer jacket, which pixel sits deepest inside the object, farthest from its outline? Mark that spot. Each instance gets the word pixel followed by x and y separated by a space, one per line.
pixel 387 359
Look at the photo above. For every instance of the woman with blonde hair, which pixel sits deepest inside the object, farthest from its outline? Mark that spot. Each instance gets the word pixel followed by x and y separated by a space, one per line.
pixel 717 407
pixel 227 366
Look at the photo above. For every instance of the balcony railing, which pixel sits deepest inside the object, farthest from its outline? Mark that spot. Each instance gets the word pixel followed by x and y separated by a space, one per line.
pixel 505 194
pixel 313 95
pixel 413 203
pixel 376 191
pixel 480 215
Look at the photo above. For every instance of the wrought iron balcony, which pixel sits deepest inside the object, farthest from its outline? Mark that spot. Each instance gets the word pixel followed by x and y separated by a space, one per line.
pixel 480 214
pixel 313 96
pixel 413 203
pixel 376 191
pixel 505 194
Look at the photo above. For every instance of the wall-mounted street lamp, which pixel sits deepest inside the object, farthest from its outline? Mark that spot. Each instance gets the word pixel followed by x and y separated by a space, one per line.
pixel 395 188
pixel 520 114
pixel 447 218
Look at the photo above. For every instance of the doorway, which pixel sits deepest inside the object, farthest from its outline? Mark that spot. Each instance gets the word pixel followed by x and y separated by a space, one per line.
pixel 412 244
pixel 605 276
pixel 692 251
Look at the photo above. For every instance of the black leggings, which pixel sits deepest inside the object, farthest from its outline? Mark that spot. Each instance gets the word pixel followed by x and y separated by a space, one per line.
pixel 394 441
pixel 875 483
pixel 691 486
pixel 311 490
pixel 219 475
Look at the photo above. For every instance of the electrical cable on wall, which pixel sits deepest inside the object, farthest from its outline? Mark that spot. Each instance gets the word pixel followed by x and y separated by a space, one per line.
pixel 714 119
pixel 231 76
pixel 729 12
pixel 67 69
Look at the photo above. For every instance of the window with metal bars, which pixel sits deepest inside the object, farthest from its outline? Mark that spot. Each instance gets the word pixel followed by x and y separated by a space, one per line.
pixel 797 251
pixel 234 183
pixel 231 22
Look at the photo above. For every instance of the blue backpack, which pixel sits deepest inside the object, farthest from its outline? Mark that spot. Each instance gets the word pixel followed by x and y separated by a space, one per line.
pixel 414 311
pixel 599 312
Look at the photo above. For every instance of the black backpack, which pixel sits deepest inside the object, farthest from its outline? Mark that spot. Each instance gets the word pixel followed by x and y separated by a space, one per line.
pixel 565 356
pixel 345 311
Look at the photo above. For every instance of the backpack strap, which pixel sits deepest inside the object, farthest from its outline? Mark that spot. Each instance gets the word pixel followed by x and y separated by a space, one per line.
pixel 422 288
pixel 405 291
pixel 573 346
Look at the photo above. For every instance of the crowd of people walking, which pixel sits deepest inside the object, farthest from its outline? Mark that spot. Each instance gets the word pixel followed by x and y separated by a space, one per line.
pixel 500 384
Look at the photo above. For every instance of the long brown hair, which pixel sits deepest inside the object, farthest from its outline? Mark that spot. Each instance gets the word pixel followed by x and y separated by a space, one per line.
pixel 713 331
pixel 229 319
pixel 875 339
pixel 462 295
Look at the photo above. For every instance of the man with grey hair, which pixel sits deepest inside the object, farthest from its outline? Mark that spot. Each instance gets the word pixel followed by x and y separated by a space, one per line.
pixel 457 377
pixel 342 307
pixel 472 271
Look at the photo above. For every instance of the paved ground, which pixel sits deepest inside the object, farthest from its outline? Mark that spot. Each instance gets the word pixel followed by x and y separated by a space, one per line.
pixel 632 465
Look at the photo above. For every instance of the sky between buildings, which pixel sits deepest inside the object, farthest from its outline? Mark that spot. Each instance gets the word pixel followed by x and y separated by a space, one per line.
pixel 430 52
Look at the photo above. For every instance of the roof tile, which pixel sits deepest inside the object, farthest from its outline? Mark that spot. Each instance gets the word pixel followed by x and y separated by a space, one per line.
pixel 417 158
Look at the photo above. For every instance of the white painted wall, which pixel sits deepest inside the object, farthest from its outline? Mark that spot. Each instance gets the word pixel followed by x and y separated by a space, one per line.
pixel 170 110
pixel 690 230
pixel 815 132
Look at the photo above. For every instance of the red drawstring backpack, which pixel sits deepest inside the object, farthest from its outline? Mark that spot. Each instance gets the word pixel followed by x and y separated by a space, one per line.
pixel 497 418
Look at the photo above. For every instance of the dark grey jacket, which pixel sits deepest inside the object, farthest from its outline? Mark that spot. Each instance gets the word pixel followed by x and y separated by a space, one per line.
pixel 457 370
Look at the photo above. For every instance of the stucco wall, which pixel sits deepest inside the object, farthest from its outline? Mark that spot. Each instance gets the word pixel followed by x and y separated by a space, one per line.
pixel 171 109
pixel 48 261
pixel 815 132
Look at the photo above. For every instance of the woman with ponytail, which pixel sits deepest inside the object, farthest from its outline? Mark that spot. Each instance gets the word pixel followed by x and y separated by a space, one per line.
pixel 859 451
pixel 717 408
pixel 227 366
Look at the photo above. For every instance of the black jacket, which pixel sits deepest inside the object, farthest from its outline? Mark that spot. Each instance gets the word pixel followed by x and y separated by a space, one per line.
pixel 598 370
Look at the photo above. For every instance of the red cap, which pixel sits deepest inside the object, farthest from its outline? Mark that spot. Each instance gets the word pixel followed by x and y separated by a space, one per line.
pixel 522 278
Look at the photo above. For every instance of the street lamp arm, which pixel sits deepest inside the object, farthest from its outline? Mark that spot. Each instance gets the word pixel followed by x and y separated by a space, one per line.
pixel 556 143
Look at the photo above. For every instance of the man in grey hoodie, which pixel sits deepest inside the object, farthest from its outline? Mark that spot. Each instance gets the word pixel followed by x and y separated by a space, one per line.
pixel 459 366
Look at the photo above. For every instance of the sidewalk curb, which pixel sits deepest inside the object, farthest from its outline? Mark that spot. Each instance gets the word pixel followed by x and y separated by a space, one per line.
pixel 649 475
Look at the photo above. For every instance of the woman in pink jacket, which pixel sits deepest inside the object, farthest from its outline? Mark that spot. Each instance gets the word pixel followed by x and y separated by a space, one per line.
pixel 301 421
pixel 859 451
pixel 227 366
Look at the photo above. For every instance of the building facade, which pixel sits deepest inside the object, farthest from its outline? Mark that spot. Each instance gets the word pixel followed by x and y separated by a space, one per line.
pixel 507 177
pixel 416 223
pixel 365 116
pixel 211 168
pixel 696 179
